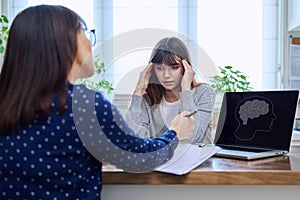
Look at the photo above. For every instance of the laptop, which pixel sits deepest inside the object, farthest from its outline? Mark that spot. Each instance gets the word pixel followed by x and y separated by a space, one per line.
pixel 256 124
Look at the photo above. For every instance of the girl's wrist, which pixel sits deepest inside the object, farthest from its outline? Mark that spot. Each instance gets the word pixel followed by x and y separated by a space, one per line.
pixel 185 88
pixel 139 91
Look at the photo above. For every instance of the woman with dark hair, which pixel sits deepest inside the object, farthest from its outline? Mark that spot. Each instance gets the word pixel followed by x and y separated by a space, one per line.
pixel 52 143
pixel 167 87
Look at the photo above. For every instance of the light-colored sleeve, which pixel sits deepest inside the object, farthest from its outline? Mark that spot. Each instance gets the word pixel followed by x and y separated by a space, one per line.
pixel 202 99
pixel 137 116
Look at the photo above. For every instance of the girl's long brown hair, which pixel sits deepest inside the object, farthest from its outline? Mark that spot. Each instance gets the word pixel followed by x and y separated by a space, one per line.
pixel 41 47
pixel 167 51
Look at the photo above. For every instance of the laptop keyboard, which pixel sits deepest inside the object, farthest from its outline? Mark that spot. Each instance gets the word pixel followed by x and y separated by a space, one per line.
pixel 244 149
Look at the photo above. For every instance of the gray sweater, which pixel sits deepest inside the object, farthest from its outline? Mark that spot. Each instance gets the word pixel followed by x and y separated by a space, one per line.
pixel 148 122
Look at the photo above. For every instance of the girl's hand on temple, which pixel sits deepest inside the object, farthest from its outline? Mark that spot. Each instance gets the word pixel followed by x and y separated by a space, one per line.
pixel 143 80
pixel 188 76
pixel 184 126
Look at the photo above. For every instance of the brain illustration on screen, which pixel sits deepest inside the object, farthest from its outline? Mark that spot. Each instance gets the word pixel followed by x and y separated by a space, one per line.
pixel 254 115
pixel 253 109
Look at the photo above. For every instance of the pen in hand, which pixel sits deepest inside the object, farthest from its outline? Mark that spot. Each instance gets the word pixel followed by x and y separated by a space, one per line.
pixel 192 113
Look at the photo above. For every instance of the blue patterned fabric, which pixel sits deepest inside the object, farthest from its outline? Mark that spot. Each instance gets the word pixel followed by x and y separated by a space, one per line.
pixel 61 157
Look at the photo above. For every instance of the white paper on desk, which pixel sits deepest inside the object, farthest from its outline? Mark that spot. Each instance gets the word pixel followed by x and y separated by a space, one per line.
pixel 187 157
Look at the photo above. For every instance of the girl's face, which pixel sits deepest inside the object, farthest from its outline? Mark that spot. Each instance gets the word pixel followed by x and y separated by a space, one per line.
pixel 169 76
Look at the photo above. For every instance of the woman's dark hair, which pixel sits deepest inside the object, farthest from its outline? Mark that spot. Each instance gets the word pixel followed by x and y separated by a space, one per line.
pixel 167 51
pixel 41 47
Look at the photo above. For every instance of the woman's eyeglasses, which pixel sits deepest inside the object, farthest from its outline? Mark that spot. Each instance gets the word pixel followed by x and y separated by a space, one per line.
pixel 91 36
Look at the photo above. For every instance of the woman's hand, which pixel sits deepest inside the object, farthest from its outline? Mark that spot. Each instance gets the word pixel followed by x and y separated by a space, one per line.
pixel 184 126
pixel 143 80
pixel 188 76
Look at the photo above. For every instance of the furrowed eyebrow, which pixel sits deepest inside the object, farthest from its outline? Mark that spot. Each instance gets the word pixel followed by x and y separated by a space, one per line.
pixel 174 64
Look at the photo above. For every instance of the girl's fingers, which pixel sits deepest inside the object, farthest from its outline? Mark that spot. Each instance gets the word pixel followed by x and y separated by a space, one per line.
pixel 188 76
pixel 148 71
pixel 149 67
pixel 186 65
pixel 143 80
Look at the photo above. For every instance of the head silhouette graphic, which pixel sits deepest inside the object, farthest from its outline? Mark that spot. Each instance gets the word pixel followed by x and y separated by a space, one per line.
pixel 254 115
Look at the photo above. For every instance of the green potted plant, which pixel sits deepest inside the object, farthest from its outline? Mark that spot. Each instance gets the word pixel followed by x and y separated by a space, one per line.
pixel 3 36
pixel 230 80
pixel 3 32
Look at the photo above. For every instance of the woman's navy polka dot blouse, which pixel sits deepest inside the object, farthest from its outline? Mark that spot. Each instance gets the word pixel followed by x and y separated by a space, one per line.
pixel 60 157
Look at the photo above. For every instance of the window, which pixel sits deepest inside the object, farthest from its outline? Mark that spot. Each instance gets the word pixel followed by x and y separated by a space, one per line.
pixel 135 14
pixel 85 11
pixel 231 33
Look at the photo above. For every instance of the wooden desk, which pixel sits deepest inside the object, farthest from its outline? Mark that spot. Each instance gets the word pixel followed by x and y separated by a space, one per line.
pixel 281 170
pixel 277 175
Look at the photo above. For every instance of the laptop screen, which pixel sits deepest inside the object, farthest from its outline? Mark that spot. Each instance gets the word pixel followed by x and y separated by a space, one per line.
pixel 262 119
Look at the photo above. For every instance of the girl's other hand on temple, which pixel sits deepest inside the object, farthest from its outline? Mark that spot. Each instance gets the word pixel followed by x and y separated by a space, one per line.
pixel 143 80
